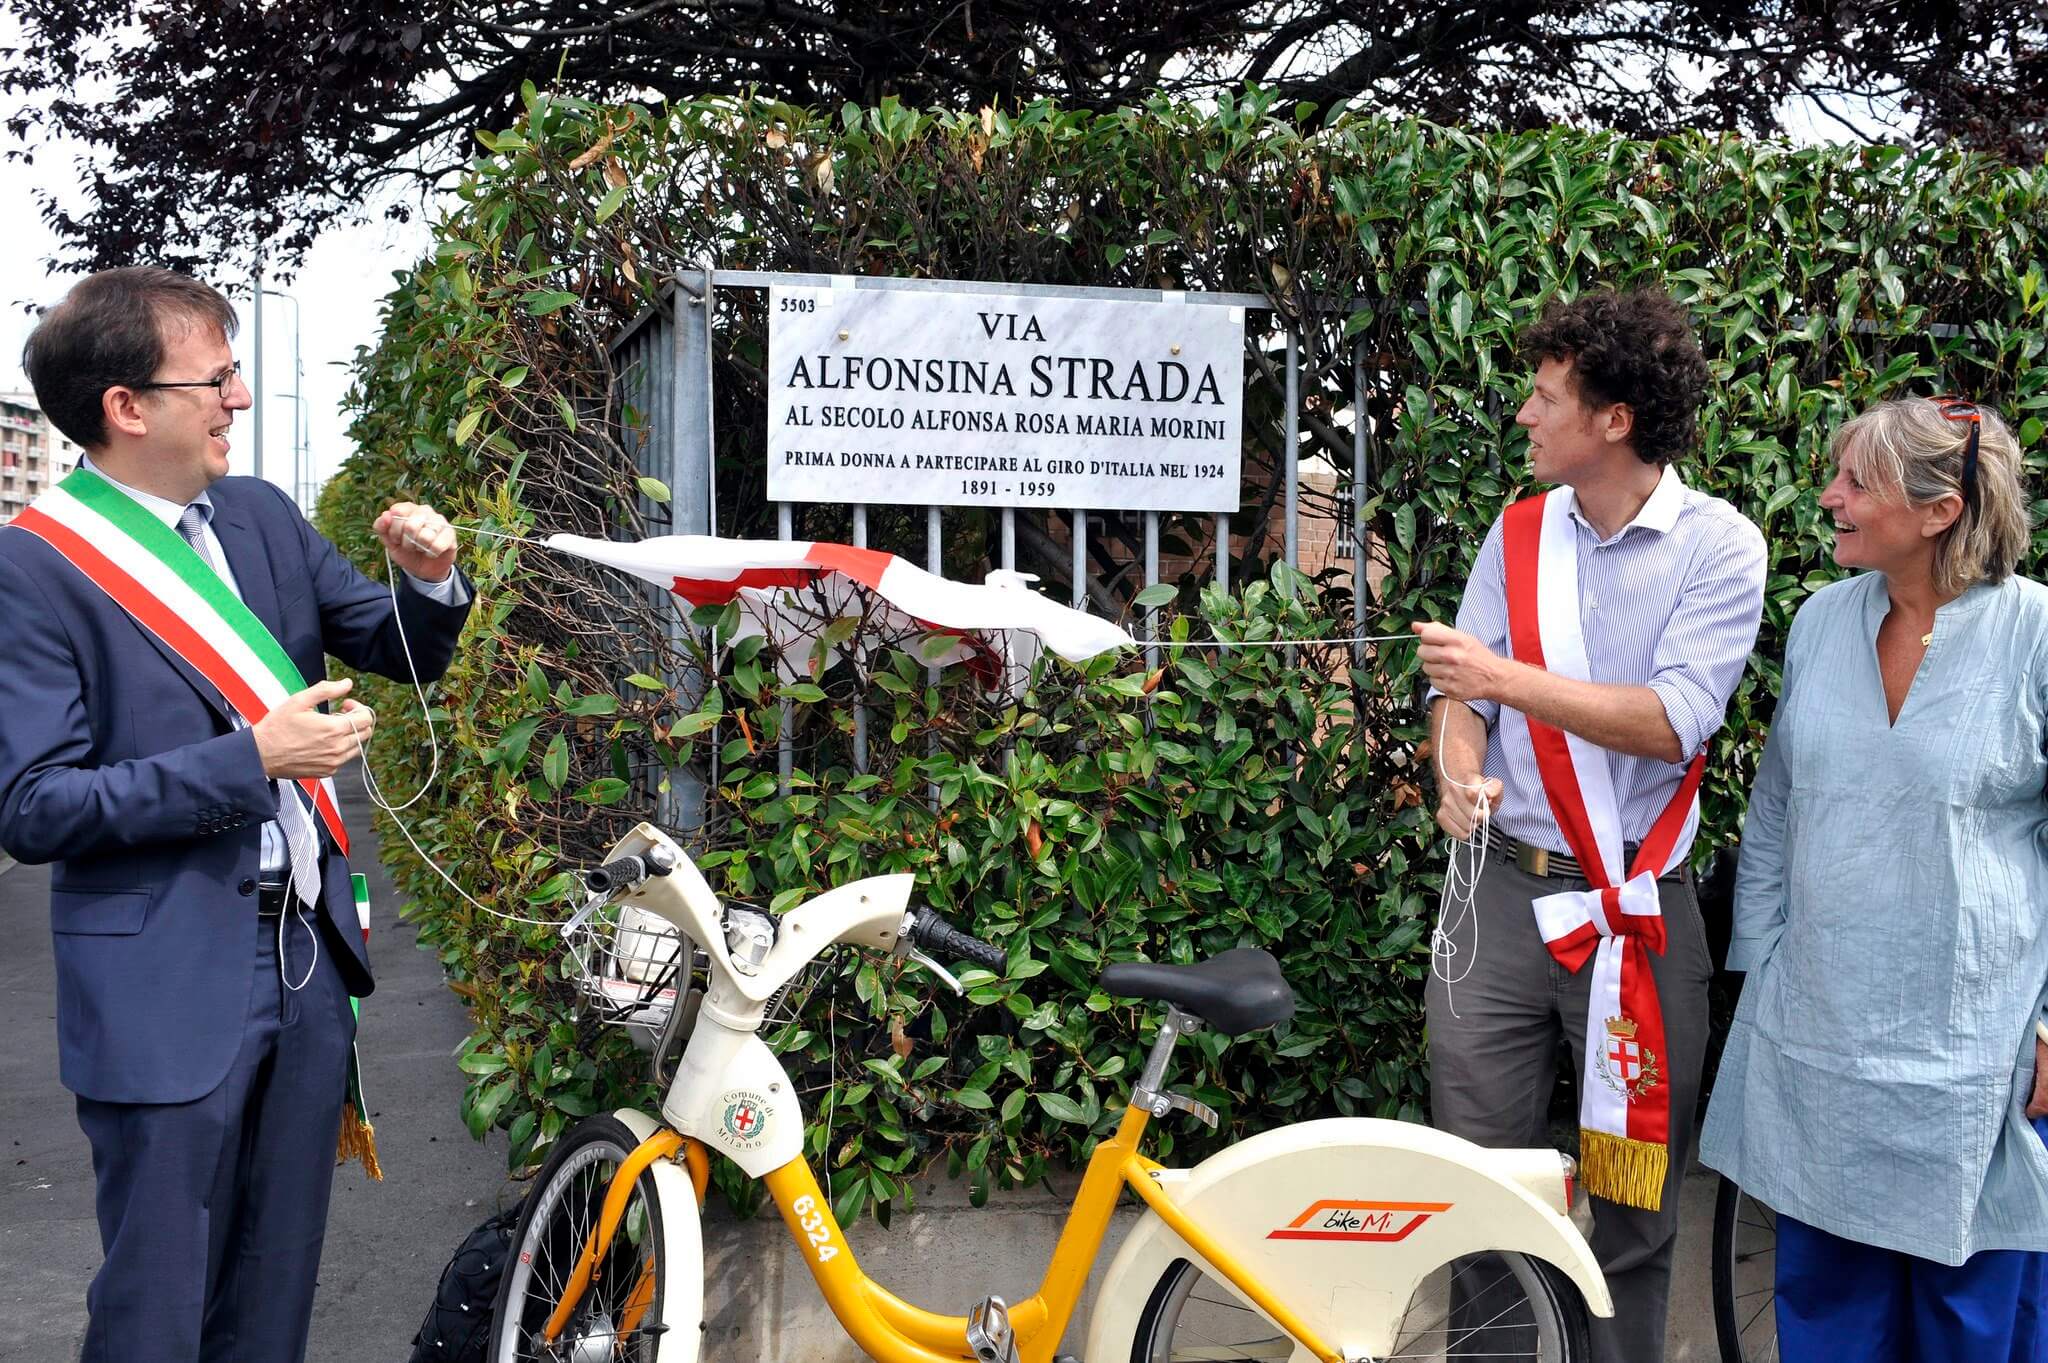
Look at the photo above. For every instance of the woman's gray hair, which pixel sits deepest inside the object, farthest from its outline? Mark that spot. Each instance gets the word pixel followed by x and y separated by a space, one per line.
pixel 1910 446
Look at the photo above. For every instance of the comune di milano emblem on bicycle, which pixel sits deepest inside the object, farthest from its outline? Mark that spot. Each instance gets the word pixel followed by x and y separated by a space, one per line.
pixel 1625 1064
pixel 745 1120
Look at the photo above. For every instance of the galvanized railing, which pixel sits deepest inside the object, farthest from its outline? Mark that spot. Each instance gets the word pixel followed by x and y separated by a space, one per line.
pixel 666 359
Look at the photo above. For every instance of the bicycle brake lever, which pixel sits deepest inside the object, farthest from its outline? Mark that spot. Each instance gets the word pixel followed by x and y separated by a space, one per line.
pixel 929 964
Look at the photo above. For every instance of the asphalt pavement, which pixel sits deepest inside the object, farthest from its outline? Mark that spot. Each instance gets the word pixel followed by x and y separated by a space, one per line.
pixel 386 1242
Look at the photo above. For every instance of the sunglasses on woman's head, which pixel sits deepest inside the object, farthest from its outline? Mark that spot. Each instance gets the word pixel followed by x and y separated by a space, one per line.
pixel 1962 409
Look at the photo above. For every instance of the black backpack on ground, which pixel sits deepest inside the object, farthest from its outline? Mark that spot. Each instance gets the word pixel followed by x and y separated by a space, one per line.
pixel 458 1324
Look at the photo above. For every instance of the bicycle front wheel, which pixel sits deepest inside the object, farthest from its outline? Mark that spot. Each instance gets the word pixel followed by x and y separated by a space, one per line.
pixel 1505 1307
pixel 620 1314
pixel 1745 1277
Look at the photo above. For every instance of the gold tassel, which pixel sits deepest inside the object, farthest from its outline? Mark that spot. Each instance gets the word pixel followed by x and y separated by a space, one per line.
pixel 358 1142
pixel 1622 1170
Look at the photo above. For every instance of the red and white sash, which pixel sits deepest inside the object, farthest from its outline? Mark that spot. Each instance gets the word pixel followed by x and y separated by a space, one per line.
pixel 147 568
pixel 1625 1103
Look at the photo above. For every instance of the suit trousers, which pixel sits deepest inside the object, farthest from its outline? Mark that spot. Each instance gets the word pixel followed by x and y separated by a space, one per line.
pixel 212 1213
pixel 1493 1057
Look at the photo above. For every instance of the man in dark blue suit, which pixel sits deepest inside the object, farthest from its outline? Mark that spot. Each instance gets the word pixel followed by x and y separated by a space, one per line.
pixel 206 939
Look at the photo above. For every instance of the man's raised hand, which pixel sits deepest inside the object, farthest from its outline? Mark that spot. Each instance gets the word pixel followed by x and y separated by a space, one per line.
pixel 296 741
pixel 1456 663
pixel 419 539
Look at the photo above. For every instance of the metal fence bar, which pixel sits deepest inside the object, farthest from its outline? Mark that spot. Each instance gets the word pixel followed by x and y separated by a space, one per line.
pixel 934 563
pixel 770 279
pixel 1223 550
pixel 1151 576
pixel 1010 537
pixel 1292 463
pixel 1358 489
pixel 785 742
pixel 860 709
pixel 1080 592
pixel 670 384
pixel 711 282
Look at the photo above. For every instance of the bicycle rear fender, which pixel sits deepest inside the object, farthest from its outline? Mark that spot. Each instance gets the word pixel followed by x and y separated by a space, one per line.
pixel 682 1297
pixel 1342 1219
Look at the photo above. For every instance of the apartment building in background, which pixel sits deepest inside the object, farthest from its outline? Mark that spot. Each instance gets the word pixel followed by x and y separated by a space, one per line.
pixel 33 453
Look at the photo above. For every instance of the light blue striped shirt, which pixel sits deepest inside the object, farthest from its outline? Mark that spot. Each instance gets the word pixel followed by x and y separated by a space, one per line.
pixel 1671 601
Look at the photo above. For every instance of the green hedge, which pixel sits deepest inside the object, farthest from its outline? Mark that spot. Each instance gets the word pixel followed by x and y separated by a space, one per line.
pixel 1248 797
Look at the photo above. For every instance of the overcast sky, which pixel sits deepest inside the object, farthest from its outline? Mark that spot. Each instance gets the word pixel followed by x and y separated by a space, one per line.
pixel 344 279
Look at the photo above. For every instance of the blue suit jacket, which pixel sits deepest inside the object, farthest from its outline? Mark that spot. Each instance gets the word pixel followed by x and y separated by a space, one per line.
pixel 119 764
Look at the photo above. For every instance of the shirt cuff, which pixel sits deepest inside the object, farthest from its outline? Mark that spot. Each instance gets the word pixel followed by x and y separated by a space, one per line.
pixel 1487 710
pixel 449 591
pixel 1691 727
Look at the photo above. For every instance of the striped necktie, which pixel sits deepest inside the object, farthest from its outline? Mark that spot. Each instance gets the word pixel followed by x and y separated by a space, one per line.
pixel 301 839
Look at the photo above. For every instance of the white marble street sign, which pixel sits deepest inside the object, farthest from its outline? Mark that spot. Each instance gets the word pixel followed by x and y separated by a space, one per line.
pixel 937 399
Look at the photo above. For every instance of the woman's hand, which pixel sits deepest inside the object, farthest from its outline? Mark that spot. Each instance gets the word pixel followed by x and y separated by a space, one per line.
pixel 2037 1106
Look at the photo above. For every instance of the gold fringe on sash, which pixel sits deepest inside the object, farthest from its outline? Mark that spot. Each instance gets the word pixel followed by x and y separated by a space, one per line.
pixel 1622 1170
pixel 358 1142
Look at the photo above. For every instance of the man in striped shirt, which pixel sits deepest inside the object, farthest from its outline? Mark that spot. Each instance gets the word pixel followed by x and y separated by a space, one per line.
pixel 1670 591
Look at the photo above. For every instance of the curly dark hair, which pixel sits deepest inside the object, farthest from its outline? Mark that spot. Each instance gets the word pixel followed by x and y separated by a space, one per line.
pixel 1635 348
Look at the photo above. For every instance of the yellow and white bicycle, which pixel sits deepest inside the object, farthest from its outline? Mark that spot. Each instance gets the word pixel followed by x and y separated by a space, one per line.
pixel 1343 1239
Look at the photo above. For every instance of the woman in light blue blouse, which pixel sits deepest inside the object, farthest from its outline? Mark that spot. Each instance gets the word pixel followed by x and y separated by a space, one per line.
pixel 1884 1065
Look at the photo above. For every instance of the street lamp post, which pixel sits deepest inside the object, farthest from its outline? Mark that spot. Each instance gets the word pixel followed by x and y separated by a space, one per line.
pixel 256 389
pixel 299 422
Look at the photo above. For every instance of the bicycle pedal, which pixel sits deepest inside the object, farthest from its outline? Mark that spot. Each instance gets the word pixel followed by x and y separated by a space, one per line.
pixel 989 1333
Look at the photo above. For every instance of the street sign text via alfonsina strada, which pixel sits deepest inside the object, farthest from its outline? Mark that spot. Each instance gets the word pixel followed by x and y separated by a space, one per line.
pixel 985 400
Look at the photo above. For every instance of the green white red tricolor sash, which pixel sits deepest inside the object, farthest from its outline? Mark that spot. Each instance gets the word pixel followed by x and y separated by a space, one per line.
pixel 1625 1107
pixel 148 569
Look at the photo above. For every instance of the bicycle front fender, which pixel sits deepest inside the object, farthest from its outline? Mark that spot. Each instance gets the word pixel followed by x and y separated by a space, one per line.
pixel 682 1261
pixel 1341 1220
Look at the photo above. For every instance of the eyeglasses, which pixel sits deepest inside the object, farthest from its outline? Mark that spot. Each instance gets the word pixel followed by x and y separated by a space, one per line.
pixel 1962 409
pixel 218 383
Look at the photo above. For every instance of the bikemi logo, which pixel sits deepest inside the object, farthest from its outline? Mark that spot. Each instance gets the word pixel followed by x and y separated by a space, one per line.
pixel 744 1120
pixel 1625 1064
pixel 1332 1219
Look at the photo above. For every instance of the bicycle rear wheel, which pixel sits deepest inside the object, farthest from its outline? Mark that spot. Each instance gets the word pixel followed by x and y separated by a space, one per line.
pixel 620 1314
pixel 1745 1277
pixel 1532 1314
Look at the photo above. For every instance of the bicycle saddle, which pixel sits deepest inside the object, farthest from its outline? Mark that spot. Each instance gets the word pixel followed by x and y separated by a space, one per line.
pixel 1238 991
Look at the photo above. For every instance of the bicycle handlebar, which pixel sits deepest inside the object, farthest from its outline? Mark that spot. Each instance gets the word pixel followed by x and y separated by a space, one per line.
pixel 617 877
pixel 937 937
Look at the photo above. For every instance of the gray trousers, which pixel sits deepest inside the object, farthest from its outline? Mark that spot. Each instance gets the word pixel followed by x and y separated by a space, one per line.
pixel 1493 1067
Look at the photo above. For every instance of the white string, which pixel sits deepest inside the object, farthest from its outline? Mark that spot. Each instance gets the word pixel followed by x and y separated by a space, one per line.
pixel 1141 643
pixel 298 912
pixel 1275 643
pixel 376 795
pixel 1465 859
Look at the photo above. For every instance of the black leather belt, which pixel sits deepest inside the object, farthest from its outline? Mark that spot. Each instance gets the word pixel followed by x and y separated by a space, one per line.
pixel 271 900
pixel 1545 864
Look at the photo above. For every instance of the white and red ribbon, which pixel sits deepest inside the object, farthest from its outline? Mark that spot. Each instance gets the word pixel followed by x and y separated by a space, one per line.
pixel 788 589
pixel 1625 1103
